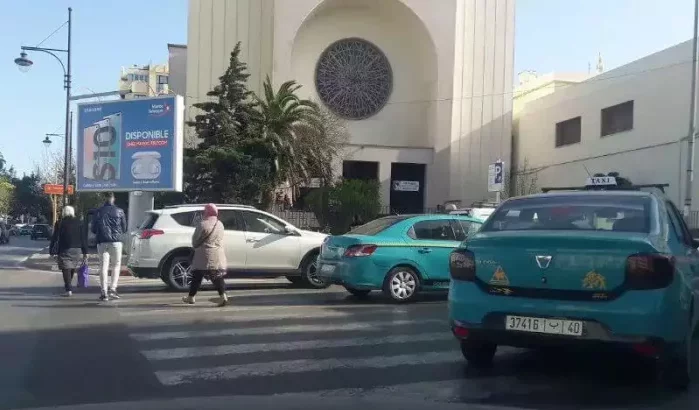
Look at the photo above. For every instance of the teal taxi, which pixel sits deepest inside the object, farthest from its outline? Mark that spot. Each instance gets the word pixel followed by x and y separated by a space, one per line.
pixel 600 269
pixel 400 255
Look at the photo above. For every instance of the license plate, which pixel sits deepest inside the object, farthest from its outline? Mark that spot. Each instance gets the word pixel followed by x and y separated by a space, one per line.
pixel 327 268
pixel 544 325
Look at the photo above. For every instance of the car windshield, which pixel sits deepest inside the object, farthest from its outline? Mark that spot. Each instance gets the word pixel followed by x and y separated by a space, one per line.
pixel 621 213
pixel 377 225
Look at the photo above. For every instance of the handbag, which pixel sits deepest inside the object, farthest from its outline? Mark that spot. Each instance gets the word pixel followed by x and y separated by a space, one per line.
pixel 55 246
pixel 83 275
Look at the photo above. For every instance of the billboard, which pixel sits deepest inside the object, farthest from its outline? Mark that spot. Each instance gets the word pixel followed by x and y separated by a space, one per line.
pixel 130 145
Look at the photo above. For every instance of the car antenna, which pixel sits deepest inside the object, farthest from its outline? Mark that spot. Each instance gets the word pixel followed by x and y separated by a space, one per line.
pixel 586 170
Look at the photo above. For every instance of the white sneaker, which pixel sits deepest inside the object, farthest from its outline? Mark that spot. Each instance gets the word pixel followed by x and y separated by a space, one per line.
pixel 67 294
pixel 188 300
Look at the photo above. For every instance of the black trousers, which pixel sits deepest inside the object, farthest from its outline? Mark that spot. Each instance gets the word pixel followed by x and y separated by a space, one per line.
pixel 68 278
pixel 198 276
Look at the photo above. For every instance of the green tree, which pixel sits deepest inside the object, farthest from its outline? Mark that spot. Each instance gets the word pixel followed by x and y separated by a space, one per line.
pixel 29 198
pixel 282 114
pixel 344 204
pixel 231 162
pixel 6 195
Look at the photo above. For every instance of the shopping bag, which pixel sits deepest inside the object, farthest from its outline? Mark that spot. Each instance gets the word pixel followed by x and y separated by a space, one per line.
pixel 83 275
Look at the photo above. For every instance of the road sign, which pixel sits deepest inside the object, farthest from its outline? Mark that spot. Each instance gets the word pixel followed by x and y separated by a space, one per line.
pixel 496 176
pixel 57 189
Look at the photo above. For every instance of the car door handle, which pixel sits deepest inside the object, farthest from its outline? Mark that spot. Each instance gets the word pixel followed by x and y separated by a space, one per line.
pixel 425 250
pixel 251 240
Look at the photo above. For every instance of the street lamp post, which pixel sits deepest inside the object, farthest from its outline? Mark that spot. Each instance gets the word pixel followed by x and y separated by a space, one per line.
pixel 25 63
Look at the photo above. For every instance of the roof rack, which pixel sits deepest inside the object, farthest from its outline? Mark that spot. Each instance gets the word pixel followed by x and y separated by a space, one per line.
pixel 661 187
pixel 218 205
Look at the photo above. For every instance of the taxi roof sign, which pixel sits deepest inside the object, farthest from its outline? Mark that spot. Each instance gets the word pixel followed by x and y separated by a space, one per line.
pixel 601 181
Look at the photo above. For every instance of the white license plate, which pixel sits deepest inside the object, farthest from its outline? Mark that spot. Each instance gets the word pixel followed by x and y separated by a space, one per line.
pixel 327 268
pixel 543 325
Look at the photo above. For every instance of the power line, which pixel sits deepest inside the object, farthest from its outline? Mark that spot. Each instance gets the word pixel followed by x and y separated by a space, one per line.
pixel 50 35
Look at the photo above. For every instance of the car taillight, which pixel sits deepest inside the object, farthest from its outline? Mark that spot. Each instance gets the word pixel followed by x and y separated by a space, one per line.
pixel 360 250
pixel 649 271
pixel 149 233
pixel 462 265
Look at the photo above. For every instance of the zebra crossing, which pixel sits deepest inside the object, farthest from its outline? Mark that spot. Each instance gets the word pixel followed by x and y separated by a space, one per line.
pixel 290 341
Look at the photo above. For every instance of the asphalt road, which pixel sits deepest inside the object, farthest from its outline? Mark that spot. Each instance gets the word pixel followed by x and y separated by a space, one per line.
pixel 278 347
pixel 20 248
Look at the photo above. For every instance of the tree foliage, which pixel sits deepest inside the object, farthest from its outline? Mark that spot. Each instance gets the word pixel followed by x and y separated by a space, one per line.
pixel 230 162
pixel 346 203
pixel 249 145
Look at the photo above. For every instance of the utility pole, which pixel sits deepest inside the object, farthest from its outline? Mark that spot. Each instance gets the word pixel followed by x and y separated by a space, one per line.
pixel 689 179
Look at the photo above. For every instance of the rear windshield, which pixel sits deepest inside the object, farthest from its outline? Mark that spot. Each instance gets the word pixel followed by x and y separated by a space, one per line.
pixel 377 225
pixel 149 221
pixel 573 213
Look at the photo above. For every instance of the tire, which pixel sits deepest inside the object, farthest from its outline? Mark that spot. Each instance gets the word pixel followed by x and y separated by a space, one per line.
pixel 359 293
pixel 308 272
pixel 296 280
pixel 402 284
pixel 176 273
pixel 478 354
pixel 677 371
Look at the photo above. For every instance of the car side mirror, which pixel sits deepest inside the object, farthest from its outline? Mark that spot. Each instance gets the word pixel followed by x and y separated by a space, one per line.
pixel 290 230
pixel 695 243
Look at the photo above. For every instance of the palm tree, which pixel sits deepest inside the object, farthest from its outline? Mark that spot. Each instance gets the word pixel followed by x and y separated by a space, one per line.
pixel 282 114
pixel 2 162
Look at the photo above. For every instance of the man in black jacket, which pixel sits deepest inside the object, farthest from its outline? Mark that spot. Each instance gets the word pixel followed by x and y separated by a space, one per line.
pixel 109 227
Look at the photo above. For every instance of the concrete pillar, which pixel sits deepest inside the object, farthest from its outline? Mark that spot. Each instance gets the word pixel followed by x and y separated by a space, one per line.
pixel 139 203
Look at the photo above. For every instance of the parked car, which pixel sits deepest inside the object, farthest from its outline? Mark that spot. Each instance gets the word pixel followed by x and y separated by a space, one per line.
pixel 257 243
pixel 592 268
pixel 40 231
pixel 26 230
pixel 400 255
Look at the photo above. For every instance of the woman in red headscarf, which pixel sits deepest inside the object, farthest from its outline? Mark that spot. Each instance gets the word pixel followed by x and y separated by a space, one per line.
pixel 209 256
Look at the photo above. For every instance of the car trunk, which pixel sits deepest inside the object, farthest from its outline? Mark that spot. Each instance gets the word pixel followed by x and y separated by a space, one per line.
pixel 555 260
pixel 334 247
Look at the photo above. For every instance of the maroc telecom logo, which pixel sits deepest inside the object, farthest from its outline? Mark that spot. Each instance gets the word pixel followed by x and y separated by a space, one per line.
pixel 159 110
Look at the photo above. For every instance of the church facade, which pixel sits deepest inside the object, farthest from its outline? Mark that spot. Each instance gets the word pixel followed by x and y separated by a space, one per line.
pixel 424 86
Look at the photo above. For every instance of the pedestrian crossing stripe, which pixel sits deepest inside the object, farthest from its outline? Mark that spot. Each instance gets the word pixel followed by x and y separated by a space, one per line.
pixel 219 373
pixel 202 351
pixel 303 328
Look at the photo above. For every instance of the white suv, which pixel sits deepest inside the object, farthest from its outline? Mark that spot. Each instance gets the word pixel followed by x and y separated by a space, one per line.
pixel 257 244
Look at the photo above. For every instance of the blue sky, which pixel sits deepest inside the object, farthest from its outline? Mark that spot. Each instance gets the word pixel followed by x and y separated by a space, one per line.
pixel 551 35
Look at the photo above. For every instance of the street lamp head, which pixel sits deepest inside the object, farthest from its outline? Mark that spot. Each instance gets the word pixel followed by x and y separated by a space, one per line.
pixel 47 141
pixel 23 62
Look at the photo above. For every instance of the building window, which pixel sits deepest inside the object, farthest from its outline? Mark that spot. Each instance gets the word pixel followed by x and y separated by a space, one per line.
pixel 617 118
pixel 162 79
pixel 568 131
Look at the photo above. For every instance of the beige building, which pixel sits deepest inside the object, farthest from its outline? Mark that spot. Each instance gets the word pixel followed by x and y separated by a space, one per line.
pixel 139 81
pixel 632 120
pixel 425 86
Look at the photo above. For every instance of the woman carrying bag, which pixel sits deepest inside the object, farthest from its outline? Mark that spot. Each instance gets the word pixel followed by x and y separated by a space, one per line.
pixel 209 258
pixel 68 243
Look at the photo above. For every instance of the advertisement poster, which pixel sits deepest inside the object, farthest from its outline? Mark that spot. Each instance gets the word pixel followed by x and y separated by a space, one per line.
pixel 130 145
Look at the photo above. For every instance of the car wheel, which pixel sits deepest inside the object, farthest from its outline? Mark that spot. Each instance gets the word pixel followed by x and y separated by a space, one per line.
pixel 478 354
pixel 402 284
pixel 296 280
pixel 178 274
pixel 309 271
pixel 677 370
pixel 360 293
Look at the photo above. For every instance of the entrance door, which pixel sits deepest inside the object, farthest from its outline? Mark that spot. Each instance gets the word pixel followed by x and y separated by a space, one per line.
pixel 407 188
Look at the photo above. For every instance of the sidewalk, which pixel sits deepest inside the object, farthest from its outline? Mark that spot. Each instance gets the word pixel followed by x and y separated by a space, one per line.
pixel 43 261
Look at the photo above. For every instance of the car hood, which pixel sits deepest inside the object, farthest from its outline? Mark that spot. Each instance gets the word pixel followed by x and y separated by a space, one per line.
pixel 312 234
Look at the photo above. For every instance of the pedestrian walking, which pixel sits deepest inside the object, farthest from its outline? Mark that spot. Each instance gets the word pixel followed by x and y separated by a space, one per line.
pixel 109 227
pixel 68 244
pixel 209 258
